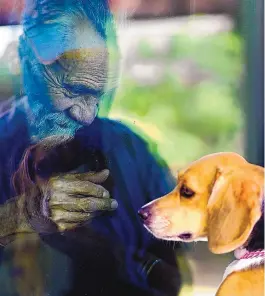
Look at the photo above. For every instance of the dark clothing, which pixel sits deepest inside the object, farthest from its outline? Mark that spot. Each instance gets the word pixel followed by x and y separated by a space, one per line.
pixel 107 256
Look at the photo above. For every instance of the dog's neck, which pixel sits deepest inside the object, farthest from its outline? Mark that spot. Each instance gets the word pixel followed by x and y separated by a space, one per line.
pixel 255 244
pixel 253 255
pixel 256 240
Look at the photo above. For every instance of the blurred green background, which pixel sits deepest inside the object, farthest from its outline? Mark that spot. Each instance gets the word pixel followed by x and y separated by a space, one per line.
pixel 192 113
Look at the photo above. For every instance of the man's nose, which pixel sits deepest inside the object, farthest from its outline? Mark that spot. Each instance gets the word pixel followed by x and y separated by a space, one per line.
pixel 144 213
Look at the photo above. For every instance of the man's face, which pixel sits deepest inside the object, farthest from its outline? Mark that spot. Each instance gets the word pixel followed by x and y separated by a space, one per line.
pixel 76 81
pixel 72 85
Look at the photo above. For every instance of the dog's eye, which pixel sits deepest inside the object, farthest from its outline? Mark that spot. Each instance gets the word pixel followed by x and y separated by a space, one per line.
pixel 186 192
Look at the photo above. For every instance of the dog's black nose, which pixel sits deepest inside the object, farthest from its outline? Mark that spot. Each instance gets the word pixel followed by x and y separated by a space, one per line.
pixel 143 214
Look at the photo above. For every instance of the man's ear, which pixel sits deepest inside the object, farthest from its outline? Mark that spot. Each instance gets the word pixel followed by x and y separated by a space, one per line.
pixel 234 208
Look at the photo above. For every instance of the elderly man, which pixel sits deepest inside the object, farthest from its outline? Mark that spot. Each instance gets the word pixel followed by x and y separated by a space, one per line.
pixel 71 177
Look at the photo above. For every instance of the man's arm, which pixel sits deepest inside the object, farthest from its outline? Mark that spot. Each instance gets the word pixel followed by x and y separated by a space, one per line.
pixel 13 220
pixel 25 213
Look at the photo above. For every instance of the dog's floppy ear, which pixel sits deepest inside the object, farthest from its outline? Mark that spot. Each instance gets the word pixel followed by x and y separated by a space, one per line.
pixel 234 208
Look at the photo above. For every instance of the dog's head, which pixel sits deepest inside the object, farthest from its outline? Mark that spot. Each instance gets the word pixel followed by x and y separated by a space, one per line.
pixel 218 198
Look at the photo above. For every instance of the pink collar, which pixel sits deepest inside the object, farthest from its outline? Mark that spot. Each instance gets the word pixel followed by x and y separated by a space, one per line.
pixel 254 254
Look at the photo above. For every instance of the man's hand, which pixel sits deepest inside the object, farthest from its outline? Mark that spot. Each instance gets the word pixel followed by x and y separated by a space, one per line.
pixel 66 201
pixel 71 199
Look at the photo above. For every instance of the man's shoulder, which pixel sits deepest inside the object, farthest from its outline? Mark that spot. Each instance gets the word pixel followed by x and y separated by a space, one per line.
pixel 116 125
pixel 112 135
pixel 121 132
pixel 132 134
pixel 145 153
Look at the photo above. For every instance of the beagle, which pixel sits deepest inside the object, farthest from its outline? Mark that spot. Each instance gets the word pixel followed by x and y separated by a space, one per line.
pixel 218 198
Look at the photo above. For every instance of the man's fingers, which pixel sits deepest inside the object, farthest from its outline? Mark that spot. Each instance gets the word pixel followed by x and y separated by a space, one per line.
pixel 83 204
pixel 75 187
pixel 92 204
pixel 94 177
pixel 60 216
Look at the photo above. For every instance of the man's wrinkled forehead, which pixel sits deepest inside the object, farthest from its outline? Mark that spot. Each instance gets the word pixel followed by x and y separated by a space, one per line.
pixel 83 54
pixel 79 65
pixel 79 36
pixel 50 34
